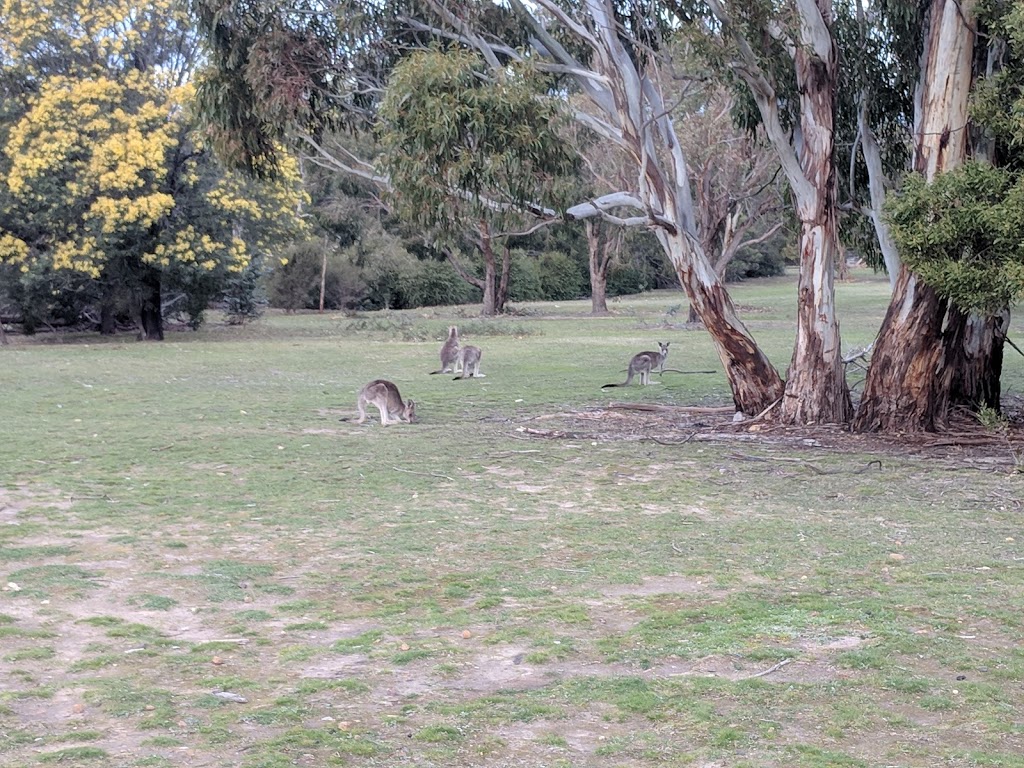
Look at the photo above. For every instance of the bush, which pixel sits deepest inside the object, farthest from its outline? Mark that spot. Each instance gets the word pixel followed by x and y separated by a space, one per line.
pixel 749 263
pixel 561 277
pixel 626 279
pixel 244 295
pixel 435 283
pixel 524 278
pixel 296 284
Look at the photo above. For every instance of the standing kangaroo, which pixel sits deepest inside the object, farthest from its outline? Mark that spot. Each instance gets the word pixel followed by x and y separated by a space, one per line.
pixel 642 364
pixel 468 363
pixel 387 399
pixel 449 351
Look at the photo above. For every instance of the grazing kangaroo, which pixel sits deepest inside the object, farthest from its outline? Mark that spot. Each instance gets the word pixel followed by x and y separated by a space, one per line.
pixel 642 364
pixel 385 396
pixel 449 351
pixel 468 363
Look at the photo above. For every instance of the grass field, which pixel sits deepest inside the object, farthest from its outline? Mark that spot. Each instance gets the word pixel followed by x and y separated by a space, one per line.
pixel 203 566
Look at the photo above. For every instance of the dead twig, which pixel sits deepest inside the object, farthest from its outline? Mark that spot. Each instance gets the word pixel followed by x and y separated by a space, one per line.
pixel 425 474
pixel 804 463
pixel 654 408
pixel 558 434
pixel 763 413
pixel 1010 342
pixel 772 668
pixel 659 441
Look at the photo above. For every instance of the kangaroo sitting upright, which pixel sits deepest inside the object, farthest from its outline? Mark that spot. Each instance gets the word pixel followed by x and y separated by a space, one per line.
pixel 642 364
pixel 385 396
pixel 449 351
pixel 468 363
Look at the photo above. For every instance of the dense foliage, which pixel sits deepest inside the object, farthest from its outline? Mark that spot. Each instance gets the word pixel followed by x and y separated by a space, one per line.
pixel 107 194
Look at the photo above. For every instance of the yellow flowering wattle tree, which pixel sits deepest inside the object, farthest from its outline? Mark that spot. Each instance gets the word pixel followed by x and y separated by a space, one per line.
pixel 106 189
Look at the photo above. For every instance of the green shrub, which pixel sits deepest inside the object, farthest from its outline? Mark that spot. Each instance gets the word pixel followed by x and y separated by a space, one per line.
pixel 749 263
pixel 626 279
pixel 436 283
pixel 296 284
pixel 244 295
pixel 524 278
pixel 561 277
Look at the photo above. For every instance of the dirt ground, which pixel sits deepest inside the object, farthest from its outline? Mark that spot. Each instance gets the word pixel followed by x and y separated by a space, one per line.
pixel 482 670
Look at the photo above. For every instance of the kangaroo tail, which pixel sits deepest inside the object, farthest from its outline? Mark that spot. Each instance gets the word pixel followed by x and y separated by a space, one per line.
pixel 612 385
pixel 441 371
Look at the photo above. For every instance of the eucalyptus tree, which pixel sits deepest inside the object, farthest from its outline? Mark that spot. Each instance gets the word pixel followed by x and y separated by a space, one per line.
pixel 740 192
pixel 906 385
pixel 787 59
pixel 881 45
pixel 958 225
pixel 612 59
pixel 467 148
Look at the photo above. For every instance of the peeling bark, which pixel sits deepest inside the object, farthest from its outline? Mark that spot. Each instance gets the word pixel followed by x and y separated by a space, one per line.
pixel 974 358
pixel 908 383
pixel 755 383
pixel 901 391
pixel 816 389
pixel 876 189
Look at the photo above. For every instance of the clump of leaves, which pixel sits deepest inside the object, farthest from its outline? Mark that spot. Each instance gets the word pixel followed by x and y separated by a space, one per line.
pixel 990 418
pixel 963 234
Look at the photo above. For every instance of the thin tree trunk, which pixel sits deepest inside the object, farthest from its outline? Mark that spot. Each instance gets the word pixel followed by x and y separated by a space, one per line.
pixel 907 386
pixel 108 321
pixel 108 303
pixel 490 305
pixel 503 282
pixel 876 189
pixel 150 313
pixel 323 281
pixel 599 259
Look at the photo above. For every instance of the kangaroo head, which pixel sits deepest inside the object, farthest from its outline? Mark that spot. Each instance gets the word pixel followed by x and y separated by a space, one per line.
pixel 409 412
pixel 664 347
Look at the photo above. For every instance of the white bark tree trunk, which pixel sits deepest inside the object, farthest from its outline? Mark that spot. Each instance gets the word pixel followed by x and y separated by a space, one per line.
pixel 632 112
pixel 877 192
pixel 816 389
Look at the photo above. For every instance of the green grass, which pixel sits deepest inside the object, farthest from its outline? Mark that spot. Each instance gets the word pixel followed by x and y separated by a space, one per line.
pixel 192 517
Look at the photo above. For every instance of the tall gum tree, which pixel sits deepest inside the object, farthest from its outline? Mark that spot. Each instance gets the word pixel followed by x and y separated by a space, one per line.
pixel 631 110
pixel 471 149
pixel 816 389
pixel 906 388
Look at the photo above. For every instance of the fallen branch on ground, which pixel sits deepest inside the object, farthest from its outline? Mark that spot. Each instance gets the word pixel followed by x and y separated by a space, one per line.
pixel 670 408
pixel 425 474
pixel 773 668
pixel 804 463
pixel 558 434
pixel 659 441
